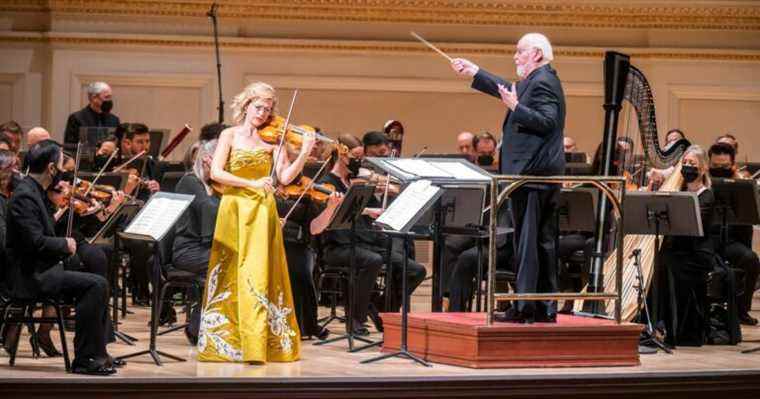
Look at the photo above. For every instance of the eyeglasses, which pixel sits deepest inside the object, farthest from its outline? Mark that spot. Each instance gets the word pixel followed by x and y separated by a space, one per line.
pixel 262 108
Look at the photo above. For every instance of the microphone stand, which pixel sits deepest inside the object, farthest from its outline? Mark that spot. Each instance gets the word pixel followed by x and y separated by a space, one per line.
pixel 212 14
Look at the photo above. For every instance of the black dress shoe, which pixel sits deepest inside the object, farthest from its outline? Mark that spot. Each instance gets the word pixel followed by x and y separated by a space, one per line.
pixel 92 367
pixel 747 320
pixel 116 362
pixel 513 316
pixel 546 318
pixel 322 334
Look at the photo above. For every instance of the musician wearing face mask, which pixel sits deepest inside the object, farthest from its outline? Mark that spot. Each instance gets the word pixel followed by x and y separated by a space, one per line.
pixel 688 260
pixel 737 249
pixel 371 249
pixel 36 267
pixel 97 113
pixel 484 146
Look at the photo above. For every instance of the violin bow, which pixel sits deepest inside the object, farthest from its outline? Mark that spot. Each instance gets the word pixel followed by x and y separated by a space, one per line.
pixel 276 159
pixel 100 172
pixel 300 197
pixel 70 221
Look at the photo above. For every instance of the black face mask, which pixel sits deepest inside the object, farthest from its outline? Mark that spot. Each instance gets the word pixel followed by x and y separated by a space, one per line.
pixel 106 106
pixel 725 173
pixel 689 173
pixel 353 166
pixel 485 160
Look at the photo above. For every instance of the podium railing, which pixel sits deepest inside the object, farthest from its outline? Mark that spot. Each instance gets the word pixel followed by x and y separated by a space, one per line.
pixel 514 182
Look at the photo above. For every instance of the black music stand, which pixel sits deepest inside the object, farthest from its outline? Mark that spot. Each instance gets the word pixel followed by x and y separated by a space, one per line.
pixel 662 214
pixel 411 208
pixel 150 225
pixel 345 218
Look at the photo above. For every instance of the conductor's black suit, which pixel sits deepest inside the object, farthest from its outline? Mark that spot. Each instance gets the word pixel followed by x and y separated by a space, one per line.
pixel 532 145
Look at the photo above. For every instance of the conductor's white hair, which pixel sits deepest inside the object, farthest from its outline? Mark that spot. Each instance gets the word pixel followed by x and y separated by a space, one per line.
pixel 96 88
pixel 540 42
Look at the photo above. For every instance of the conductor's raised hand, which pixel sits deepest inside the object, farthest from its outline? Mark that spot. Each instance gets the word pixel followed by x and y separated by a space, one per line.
pixel 464 67
pixel 508 97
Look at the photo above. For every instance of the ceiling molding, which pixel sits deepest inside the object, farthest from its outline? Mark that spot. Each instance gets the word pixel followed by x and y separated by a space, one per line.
pixel 83 41
pixel 694 15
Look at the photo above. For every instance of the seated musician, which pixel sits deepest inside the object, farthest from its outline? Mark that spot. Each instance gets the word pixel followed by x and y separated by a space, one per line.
pixel 105 147
pixel 144 178
pixel 464 145
pixel 460 284
pixel 688 260
pixel 484 145
pixel 304 218
pixel 36 254
pixel 731 140
pixel 376 144
pixel 369 252
pixel 657 176
pixel 738 248
pixel 195 228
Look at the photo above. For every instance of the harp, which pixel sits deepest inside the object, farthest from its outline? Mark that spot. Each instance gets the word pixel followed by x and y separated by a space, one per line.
pixel 624 82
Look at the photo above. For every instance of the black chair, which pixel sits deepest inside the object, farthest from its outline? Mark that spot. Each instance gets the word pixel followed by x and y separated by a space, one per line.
pixel 172 277
pixel 16 310
pixel 725 290
pixel 330 283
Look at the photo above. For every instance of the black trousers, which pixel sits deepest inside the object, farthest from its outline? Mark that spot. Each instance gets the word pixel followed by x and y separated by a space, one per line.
pixel 534 211
pixel 300 269
pixel 742 257
pixel 90 293
pixel 194 260
pixel 454 246
pixel 415 275
pixel 367 264
pixel 95 259
pixel 460 282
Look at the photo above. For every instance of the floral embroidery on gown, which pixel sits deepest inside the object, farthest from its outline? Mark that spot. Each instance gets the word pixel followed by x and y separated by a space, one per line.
pixel 248 304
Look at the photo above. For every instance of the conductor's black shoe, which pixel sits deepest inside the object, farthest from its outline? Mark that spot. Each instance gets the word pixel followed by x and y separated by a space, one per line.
pixel 546 318
pixel 513 316
pixel 92 367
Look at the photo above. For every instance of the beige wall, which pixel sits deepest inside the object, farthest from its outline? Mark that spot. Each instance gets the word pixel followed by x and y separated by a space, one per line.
pixel 358 75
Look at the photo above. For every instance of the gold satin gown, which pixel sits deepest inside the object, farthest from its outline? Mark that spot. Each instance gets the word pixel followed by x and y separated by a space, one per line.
pixel 248 306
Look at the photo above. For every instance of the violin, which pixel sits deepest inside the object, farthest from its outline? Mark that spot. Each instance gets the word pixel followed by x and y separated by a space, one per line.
pixel 305 187
pixel 272 132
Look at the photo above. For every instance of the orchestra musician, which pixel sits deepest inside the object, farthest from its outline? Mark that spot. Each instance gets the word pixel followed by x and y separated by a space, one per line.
pixel 687 260
pixel 305 216
pixel 36 254
pixel 464 145
pixel 195 228
pixel 97 113
pixel 484 145
pixel 371 249
pixel 248 310
pixel 531 145
pixel 737 250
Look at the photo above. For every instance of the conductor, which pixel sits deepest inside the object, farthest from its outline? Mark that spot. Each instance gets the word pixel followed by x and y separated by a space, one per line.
pixel 531 145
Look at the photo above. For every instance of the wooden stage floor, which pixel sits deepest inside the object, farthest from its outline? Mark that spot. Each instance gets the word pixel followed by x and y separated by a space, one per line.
pixel 329 371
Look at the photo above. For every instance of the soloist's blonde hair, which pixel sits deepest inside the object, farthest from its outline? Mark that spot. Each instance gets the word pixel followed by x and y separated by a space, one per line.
pixel 253 92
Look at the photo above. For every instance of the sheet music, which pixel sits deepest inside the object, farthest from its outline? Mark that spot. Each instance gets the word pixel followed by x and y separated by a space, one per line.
pixel 408 204
pixel 160 214
pixel 419 167
pixel 458 170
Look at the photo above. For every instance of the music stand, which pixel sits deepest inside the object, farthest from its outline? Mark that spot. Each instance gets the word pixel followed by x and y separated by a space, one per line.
pixel 661 214
pixel 577 209
pixel 345 218
pixel 151 224
pixel 579 157
pixel 396 221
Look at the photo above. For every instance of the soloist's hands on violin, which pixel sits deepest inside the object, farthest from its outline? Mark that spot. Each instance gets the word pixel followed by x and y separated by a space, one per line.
pixel 264 183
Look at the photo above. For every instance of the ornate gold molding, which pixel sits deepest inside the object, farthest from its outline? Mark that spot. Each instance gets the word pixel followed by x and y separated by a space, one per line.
pixel 336 46
pixel 715 15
